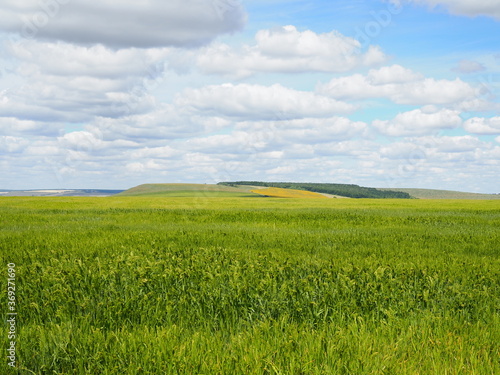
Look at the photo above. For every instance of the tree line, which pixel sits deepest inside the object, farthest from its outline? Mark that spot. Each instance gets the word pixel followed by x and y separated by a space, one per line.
pixel 345 190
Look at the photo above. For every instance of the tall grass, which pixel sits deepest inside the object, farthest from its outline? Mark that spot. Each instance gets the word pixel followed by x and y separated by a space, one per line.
pixel 254 286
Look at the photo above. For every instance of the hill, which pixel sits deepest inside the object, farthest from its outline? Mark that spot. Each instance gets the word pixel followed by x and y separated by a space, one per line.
pixel 187 190
pixel 443 194
pixel 258 189
pixel 59 193
pixel 345 190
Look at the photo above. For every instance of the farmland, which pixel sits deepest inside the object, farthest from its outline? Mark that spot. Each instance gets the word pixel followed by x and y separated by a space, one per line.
pixel 343 190
pixel 287 193
pixel 238 285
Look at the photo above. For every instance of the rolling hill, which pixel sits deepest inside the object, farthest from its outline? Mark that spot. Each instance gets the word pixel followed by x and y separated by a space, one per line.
pixel 443 194
pixel 258 189
pixel 187 190
pixel 344 190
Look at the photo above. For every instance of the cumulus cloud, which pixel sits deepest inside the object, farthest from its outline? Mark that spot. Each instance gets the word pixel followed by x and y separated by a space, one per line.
pixel 15 126
pixel 61 82
pixel 357 148
pixel 160 152
pixel 65 59
pixel 307 131
pixel 479 125
pixel 459 144
pixel 57 99
pixel 419 122
pixel 237 142
pixel 85 141
pixel 392 74
pixel 418 161
pixel 128 23
pixel 165 122
pixel 422 149
pixel 315 131
pixel 288 50
pixel 277 138
pixel 12 145
pixel 406 149
pixel 400 85
pixel 260 102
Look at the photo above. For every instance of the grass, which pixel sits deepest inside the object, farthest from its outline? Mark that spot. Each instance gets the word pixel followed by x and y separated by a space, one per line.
pixel 143 285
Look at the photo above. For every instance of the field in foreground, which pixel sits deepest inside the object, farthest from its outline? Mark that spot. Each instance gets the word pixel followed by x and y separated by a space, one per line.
pixel 130 285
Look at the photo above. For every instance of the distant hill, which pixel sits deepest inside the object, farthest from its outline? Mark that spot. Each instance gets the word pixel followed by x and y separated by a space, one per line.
pixel 187 190
pixel 344 190
pixel 251 189
pixel 59 193
pixel 443 194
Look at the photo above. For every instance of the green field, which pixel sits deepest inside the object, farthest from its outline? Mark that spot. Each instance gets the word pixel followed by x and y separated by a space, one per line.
pixel 212 285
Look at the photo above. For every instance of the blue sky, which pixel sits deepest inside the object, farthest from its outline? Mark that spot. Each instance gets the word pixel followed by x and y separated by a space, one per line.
pixel 377 93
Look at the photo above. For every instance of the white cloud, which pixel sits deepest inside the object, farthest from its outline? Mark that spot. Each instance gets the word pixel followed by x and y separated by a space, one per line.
pixel 258 102
pixel 425 149
pixel 263 137
pixel 65 59
pixel 12 145
pixel 42 149
pixel 288 50
pixel 60 82
pixel 392 74
pixel 477 105
pixel 237 142
pixel 419 122
pixel 164 152
pixel 357 148
pixel 74 99
pixel 314 131
pixel 458 144
pixel 163 123
pixel 400 85
pixel 123 24
pixel 451 160
pixel 14 126
pixel 479 125
pixel 403 150
pixel 88 142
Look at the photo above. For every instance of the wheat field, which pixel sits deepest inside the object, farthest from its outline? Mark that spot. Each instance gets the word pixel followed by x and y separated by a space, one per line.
pixel 130 285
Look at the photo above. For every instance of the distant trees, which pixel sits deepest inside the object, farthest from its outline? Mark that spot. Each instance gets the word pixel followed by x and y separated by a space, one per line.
pixel 345 190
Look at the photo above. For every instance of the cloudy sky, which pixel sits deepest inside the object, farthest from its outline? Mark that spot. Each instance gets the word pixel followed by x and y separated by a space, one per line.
pixel 111 94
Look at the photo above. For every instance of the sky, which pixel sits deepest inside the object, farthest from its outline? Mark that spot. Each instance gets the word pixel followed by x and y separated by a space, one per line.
pixel 381 93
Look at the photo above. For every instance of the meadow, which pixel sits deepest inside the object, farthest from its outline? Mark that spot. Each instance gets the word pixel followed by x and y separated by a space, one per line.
pixel 228 285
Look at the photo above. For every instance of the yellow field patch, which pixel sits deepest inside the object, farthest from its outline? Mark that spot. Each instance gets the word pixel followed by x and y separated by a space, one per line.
pixel 287 193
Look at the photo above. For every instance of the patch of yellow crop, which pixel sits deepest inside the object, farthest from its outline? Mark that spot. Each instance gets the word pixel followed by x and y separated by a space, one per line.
pixel 287 193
